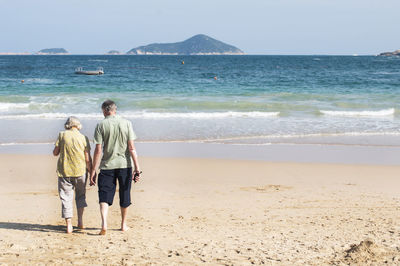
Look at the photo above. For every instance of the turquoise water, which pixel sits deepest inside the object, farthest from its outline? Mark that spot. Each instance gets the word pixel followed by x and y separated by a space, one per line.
pixel 255 99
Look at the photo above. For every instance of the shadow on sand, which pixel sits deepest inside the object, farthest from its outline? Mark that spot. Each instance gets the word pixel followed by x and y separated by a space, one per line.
pixel 38 227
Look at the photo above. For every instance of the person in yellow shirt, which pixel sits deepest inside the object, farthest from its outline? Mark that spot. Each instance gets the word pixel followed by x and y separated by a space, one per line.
pixel 73 164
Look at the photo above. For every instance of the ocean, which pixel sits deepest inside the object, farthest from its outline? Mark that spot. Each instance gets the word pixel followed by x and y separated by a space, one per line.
pixel 247 99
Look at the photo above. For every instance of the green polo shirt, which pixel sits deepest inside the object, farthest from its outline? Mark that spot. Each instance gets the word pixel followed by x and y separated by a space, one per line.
pixel 113 133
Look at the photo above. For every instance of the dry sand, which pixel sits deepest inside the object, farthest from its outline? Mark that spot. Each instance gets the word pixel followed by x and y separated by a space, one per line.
pixel 194 211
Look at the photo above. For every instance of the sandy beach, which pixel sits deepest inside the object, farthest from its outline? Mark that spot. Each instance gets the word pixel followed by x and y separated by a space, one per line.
pixel 212 211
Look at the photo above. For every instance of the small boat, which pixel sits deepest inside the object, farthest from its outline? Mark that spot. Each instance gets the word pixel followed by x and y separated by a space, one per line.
pixel 80 71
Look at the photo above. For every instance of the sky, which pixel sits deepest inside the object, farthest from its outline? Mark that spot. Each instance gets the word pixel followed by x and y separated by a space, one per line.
pixel 283 27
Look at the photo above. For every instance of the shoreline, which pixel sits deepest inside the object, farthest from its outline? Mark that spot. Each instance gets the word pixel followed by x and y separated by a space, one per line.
pixel 297 153
pixel 224 131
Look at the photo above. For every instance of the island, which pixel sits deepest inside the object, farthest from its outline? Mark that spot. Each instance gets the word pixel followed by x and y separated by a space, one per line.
pixel 53 51
pixel 197 45
pixel 395 53
pixel 113 52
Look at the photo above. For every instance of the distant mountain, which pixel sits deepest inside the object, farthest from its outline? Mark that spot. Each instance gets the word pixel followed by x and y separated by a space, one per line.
pixel 113 52
pixel 52 51
pixel 395 53
pixel 197 45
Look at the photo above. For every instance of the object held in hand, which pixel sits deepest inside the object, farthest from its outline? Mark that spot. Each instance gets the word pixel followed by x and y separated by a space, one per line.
pixel 136 176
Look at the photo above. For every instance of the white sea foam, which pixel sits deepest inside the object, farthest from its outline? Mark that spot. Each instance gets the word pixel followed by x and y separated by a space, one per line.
pixel 201 115
pixel 147 115
pixel 39 80
pixel 13 106
pixel 49 116
pixel 311 135
pixel 386 73
pixel 7 108
pixel 384 112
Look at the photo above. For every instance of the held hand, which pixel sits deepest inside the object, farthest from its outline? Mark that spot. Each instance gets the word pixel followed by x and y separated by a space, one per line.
pixel 136 175
pixel 93 178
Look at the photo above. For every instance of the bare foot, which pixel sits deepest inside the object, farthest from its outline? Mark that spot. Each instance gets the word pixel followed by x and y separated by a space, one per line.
pixel 103 232
pixel 124 228
pixel 81 227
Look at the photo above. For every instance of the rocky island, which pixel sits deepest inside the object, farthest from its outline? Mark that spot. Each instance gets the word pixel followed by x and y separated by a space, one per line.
pixel 113 52
pixel 395 53
pixel 197 45
pixel 53 51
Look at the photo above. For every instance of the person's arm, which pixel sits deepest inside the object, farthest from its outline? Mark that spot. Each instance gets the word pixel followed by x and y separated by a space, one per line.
pixel 56 151
pixel 132 152
pixel 98 140
pixel 96 162
pixel 88 160
pixel 88 157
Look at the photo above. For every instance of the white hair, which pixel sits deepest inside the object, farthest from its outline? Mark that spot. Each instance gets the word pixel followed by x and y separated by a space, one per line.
pixel 71 122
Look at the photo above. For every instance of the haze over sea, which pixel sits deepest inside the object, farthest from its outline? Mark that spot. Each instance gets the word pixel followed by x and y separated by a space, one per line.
pixel 255 99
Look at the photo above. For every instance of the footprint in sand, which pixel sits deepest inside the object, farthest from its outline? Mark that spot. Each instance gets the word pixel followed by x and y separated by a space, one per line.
pixel 367 251
pixel 266 188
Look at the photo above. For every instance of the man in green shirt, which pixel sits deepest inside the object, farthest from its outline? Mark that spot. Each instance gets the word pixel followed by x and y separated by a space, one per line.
pixel 114 139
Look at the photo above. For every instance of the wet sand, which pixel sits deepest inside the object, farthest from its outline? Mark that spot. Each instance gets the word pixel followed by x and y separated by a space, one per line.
pixel 213 211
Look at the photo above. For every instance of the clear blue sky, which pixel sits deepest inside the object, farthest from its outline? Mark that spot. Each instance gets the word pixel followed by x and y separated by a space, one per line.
pixel 255 26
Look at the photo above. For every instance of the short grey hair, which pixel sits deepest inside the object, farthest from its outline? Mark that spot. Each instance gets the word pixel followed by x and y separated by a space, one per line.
pixel 71 122
pixel 109 106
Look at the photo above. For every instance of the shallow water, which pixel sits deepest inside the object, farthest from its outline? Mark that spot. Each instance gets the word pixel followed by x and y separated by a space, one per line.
pixel 254 99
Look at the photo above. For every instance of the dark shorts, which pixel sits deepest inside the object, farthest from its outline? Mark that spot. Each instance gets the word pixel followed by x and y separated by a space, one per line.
pixel 107 184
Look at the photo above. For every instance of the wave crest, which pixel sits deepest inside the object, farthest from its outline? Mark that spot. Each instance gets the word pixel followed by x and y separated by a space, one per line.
pixel 384 112
pixel 13 106
pixel 148 115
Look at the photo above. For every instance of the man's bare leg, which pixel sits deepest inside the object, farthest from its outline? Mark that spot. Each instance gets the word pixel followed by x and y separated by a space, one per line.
pixel 124 212
pixel 104 213
pixel 68 221
pixel 80 218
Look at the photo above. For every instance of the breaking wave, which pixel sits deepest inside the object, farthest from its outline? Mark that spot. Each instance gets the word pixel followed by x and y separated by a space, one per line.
pixel 148 115
pixel 384 112
pixel 13 106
